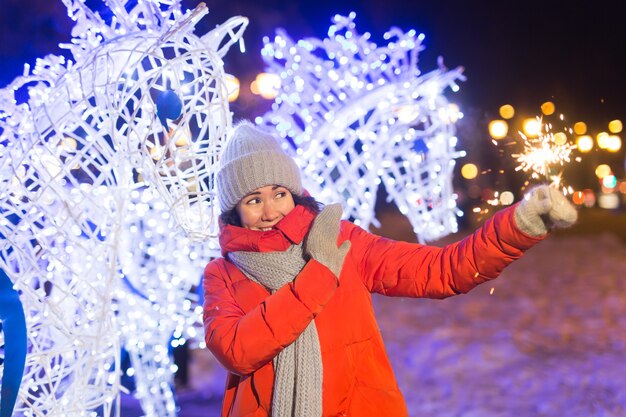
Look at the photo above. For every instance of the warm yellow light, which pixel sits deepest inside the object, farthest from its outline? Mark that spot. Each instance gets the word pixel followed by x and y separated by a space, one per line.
pixel 603 140
pixel 232 87
pixel 68 144
pixel 266 85
pixel 498 129
pixel 560 138
pixel 615 126
pixel 547 108
pixel 603 170
pixel 580 128
pixel 454 112
pixel 507 111
pixel 469 171
pixel 531 127
pixel 180 137
pixel 614 143
pixel 585 143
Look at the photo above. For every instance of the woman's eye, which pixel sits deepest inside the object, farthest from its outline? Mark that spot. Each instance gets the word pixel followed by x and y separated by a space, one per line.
pixel 280 194
pixel 253 201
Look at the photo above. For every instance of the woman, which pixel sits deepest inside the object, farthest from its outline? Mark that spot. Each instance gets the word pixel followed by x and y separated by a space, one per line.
pixel 288 309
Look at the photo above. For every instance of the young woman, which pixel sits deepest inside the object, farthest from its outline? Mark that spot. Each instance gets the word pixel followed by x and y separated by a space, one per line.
pixel 288 310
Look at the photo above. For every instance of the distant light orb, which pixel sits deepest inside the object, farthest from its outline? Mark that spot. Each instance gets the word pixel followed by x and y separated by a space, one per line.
pixel 469 171
pixel 578 197
pixel 608 201
pixel 610 181
pixel 454 112
pixel 603 140
pixel 507 111
pixel 560 138
pixel 603 170
pixel 615 126
pixel 547 108
pixel 584 143
pixel 614 143
pixel 266 85
pixel 531 126
pixel 580 128
pixel 507 198
pixel 590 197
pixel 498 129
pixel 232 86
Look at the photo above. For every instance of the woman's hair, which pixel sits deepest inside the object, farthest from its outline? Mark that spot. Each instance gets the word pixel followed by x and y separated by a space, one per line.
pixel 232 217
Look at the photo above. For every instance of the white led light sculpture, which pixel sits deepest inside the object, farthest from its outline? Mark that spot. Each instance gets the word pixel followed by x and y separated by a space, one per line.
pixel 354 114
pixel 158 302
pixel 144 104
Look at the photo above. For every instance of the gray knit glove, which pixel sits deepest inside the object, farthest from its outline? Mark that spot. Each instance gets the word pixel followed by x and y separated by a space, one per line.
pixel 542 208
pixel 321 241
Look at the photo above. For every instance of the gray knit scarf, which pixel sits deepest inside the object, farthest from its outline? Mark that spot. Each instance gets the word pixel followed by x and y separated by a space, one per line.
pixel 298 367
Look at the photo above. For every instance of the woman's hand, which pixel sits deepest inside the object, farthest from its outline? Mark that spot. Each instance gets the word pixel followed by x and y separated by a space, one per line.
pixel 542 208
pixel 321 241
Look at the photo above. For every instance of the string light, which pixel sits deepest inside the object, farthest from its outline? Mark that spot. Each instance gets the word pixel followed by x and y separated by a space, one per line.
pixel 355 115
pixel 113 154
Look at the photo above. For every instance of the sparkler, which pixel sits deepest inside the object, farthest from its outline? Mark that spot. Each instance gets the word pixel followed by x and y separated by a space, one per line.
pixel 543 155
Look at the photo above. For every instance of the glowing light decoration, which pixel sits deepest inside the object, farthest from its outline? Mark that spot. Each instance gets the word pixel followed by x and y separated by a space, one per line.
pixel 355 114
pixel 112 155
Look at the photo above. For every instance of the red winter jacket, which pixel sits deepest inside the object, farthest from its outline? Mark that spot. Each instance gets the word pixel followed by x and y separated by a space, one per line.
pixel 245 326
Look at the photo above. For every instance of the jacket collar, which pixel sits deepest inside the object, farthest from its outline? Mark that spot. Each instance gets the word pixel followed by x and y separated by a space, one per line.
pixel 290 230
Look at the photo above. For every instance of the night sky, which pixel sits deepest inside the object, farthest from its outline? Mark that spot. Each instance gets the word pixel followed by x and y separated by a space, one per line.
pixel 521 53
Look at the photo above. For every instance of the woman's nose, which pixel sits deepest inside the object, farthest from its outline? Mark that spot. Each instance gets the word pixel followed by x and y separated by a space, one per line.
pixel 269 212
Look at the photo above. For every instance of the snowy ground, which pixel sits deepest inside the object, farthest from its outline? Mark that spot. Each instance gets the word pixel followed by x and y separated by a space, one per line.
pixel 546 339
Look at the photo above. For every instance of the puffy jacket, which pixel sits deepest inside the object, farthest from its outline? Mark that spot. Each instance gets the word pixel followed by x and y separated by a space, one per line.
pixel 245 326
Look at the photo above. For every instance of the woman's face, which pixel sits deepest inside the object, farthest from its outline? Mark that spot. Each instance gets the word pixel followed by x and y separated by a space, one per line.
pixel 264 207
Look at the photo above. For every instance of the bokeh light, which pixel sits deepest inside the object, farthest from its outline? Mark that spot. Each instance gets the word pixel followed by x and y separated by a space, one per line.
pixel 578 198
pixel 547 108
pixel 585 143
pixel 610 182
pixel 507 111
pixel 614 143
pixel 232 86
pixel 266 85
pixel 589 197
pixel 615 126
pixel 560 138
pixel 580 128
pixel 608 201
pixel 469 171
pixel 603 170
pixel 531 127
pixel 603 140
pixel 507 198
pixel 498 129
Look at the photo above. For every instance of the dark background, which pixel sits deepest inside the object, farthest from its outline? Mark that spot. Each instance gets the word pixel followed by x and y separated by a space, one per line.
pixel 517 52
pixel 514 52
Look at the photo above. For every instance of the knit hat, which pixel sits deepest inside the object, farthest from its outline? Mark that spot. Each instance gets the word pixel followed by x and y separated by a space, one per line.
pixel 252 159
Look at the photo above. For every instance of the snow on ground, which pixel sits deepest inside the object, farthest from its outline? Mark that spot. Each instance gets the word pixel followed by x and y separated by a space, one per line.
pixel 547 338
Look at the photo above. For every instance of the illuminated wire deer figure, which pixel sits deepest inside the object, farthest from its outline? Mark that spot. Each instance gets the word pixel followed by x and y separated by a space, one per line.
pixel 355 115
pixel 137 119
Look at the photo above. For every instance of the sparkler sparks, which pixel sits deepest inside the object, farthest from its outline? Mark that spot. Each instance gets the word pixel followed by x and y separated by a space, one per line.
pixel 543 155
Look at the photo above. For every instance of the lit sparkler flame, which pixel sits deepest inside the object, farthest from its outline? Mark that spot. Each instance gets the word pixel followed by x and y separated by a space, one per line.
pixel 544 154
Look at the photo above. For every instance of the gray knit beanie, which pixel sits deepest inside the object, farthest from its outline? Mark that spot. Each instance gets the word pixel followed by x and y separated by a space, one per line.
pixel 252 159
